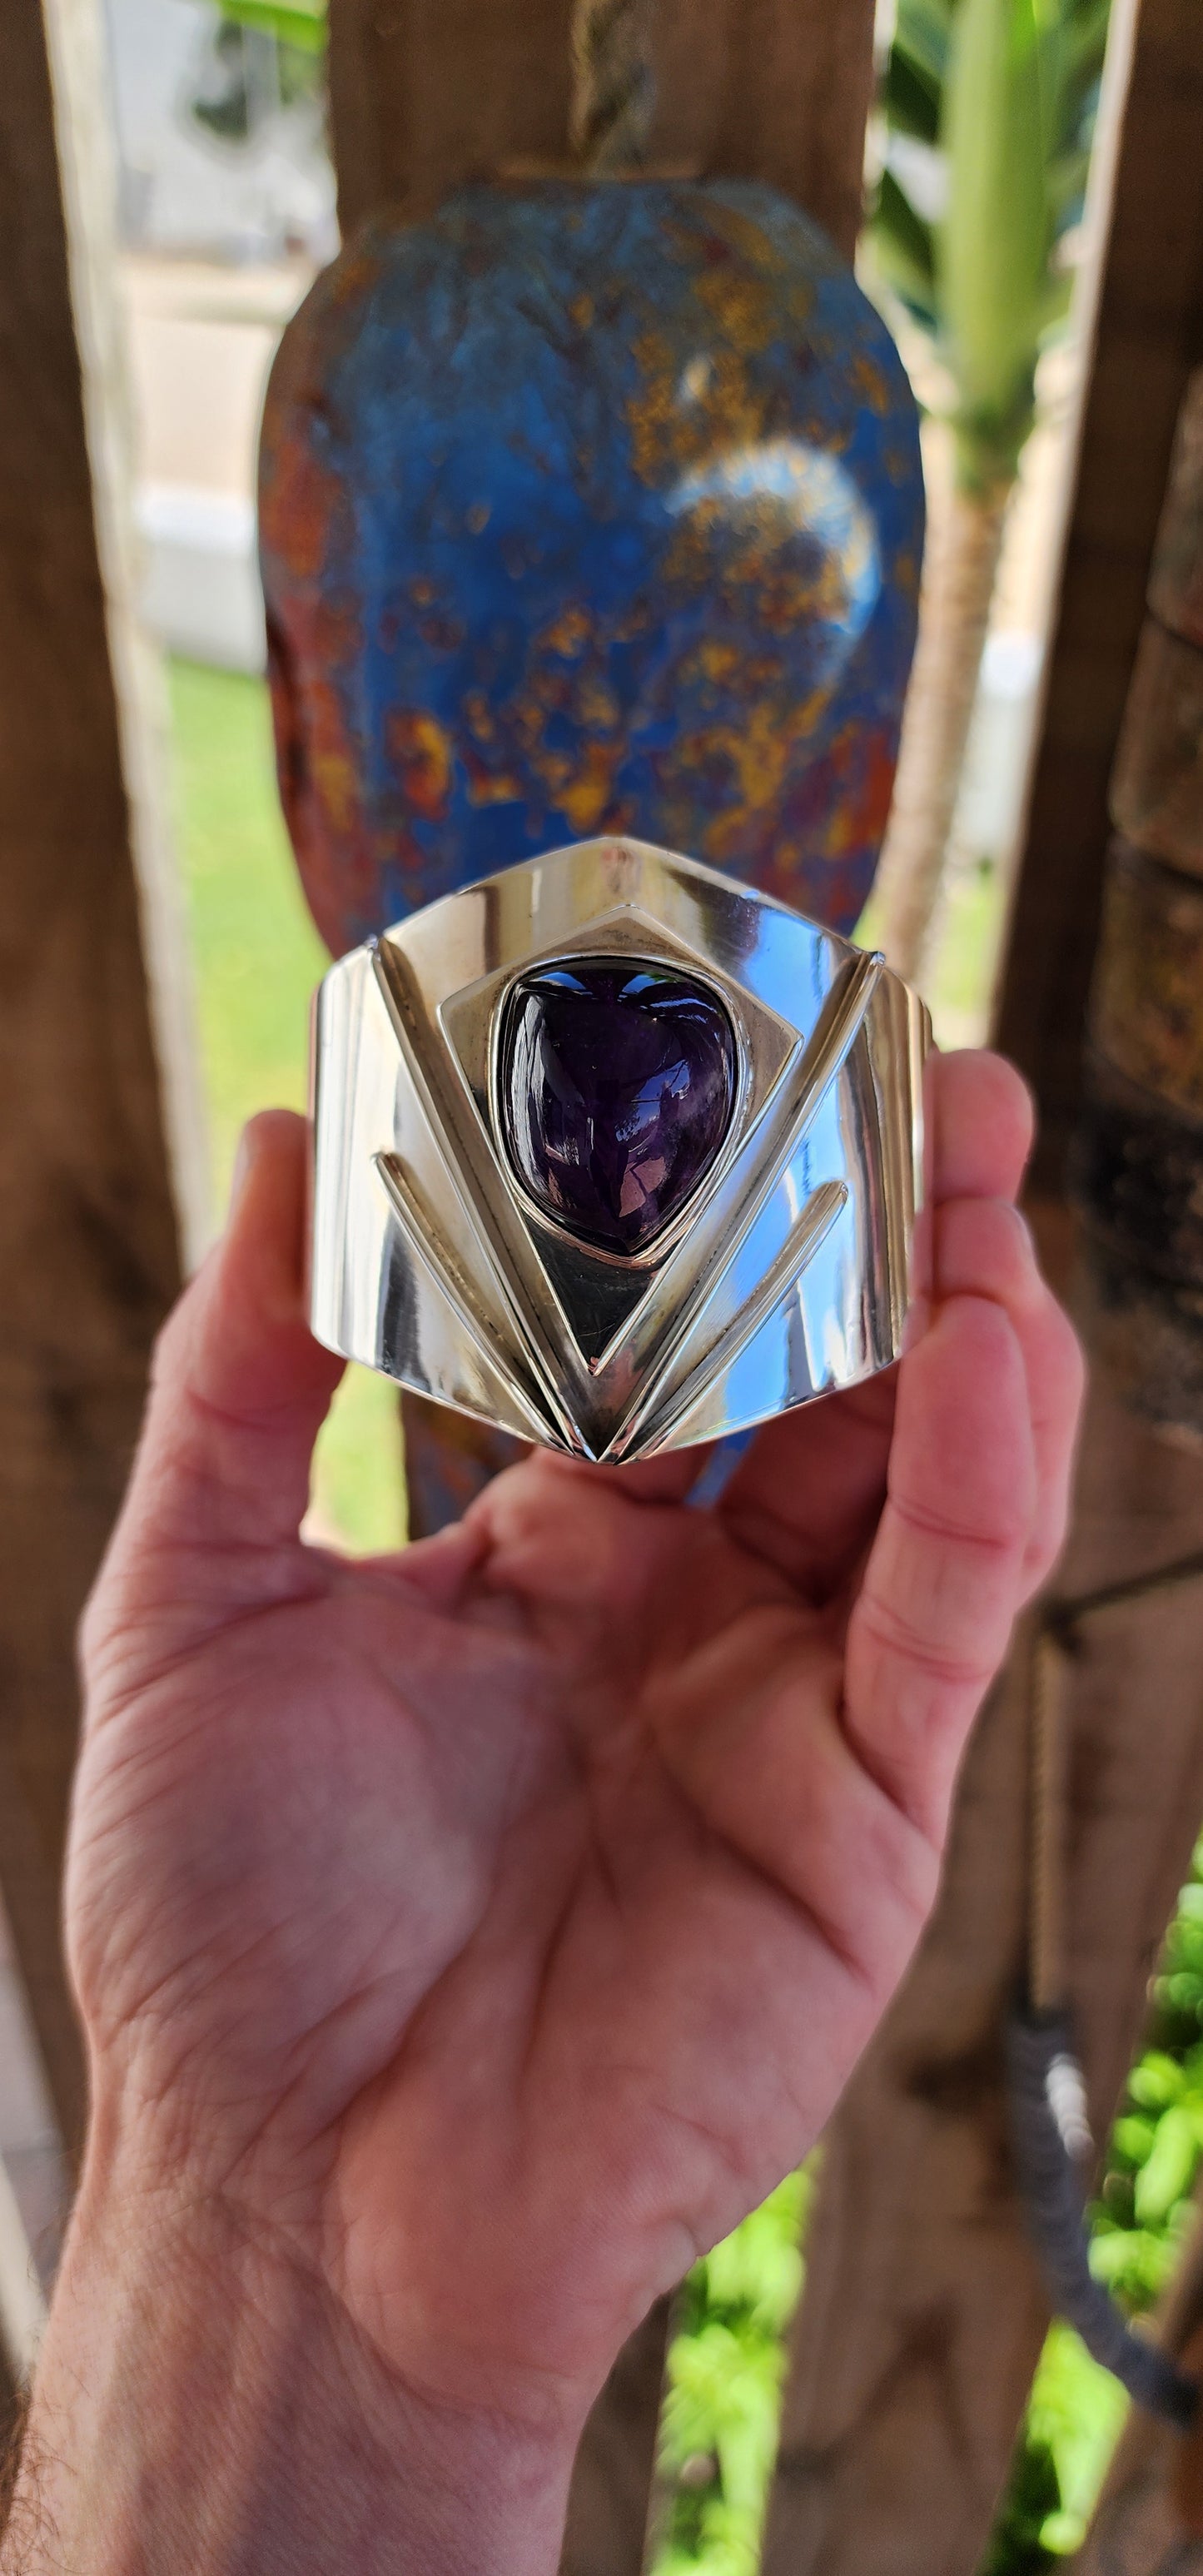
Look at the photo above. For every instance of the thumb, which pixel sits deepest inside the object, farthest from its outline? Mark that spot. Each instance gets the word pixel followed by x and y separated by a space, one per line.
pixel 239 1387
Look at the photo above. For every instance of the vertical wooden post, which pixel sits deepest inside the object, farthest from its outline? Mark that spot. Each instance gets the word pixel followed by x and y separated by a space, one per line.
pixel 923 2314
pixel 1149 2520
pixel 88 1234
pixel 426 94
pixel 1150 333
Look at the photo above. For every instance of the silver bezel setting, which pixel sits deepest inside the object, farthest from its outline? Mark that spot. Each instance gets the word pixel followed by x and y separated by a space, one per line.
pixel 784 1274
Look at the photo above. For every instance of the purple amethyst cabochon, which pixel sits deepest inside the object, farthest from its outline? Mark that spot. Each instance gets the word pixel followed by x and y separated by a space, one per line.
pixel 588 508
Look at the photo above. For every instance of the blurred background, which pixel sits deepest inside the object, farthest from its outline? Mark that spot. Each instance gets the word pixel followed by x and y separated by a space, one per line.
pixel 980 248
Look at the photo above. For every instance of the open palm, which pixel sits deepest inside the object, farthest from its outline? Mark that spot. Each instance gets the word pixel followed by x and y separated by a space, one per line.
pixel 493 1925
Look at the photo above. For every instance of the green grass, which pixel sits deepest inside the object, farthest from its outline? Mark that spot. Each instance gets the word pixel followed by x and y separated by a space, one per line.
pixel 256 959
pixel 967 935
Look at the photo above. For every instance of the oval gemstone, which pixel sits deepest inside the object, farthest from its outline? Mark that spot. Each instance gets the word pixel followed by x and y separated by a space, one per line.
pixel 617 1083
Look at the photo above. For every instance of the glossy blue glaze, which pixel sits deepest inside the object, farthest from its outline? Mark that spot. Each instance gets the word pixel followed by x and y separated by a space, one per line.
pixel 584 508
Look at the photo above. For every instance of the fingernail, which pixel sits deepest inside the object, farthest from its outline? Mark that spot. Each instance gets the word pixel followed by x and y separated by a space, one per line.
pixel 243 1161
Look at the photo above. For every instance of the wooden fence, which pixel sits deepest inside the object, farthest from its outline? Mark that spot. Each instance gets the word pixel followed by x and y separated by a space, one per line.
pixel 923 2315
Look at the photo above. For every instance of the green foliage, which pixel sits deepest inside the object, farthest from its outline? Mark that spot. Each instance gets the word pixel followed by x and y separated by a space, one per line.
pixel 989 108
pixel 1016 2547
pixel 292 22
pixel 1075 2414
pixel 1138 2226
pixel 718 2435
pixel 256 955
pixel 992 249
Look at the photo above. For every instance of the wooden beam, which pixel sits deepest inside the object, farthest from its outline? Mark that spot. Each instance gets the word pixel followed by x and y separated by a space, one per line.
pixel 612 2483
pixel 923 2314
pixel 777 90
pixel 426 94
pixel 1151 2509
pixel 89 1256
pixel 1149 333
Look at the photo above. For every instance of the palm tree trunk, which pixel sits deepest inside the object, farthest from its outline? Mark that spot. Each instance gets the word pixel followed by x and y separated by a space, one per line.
pixel 960 562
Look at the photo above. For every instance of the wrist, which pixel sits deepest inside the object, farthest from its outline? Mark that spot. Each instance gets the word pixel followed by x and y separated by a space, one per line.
pixel 201 2401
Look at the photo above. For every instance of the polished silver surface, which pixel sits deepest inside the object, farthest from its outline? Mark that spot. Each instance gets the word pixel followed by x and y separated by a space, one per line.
pixel 785 1274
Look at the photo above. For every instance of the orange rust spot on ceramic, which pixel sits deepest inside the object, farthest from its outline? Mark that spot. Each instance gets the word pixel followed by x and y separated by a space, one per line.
pixel 423 754
pixel 488 786
pixel 670 434
pixel 585 794
pixel 860 804
pixel 568 634
pixel 596 703
pixel 335 784
pixel 870 385
pixel 297 506
pixel 478 716
pixel 741 306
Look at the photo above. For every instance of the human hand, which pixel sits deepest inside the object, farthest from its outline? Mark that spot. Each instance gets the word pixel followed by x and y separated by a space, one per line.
pixel 474 1935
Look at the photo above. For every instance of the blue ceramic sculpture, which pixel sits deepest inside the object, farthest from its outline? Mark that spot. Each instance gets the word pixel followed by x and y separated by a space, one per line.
pixel 585 507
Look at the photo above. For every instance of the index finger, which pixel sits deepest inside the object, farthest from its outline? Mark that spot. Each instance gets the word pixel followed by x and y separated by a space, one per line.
pixel 809 1492
pixel 238 1392
pixel 946 1571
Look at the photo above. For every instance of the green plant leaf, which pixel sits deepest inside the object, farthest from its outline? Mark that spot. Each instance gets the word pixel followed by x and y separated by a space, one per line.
pixel 293 22
pixel 921 33
pixel 1133 2138
pixel 910 97
pixel 1157 2081
pixel 905 248
pixel 992 249
pixel 1076 2409
pixel 1085 44
pixel 1169 2169
pixel 1067 176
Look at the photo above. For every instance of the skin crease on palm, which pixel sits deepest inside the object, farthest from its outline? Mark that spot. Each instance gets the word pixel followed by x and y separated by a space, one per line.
pixel 484 1930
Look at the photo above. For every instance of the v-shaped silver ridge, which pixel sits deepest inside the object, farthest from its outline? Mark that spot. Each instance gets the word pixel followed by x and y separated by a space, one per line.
pixel 807 1232
pixel 548 1379
pixel 414 1217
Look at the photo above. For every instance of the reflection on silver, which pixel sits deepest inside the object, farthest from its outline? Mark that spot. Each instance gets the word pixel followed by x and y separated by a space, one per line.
pixel 785 1275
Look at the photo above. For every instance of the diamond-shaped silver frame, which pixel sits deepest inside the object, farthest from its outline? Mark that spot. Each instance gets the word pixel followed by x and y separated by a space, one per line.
pixel 787 1273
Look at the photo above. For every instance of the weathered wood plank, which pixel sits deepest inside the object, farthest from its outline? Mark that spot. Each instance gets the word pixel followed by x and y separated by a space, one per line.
pixel 1150 330
pixel 777 90
pixel 1151 2509
pixel 608 2505
pixel 89 1257
pixel 923 2316
pixel 426 94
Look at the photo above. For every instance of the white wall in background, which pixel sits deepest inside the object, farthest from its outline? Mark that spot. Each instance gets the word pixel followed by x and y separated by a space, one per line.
pixel 201 593
pixel 992 786
pixel 182 188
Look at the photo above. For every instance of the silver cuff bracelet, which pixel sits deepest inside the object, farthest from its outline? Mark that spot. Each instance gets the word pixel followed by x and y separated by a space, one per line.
pixel 615 1153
